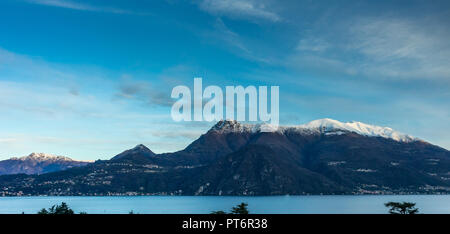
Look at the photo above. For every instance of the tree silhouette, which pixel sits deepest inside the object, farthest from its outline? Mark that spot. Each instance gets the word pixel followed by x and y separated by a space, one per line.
pixel 240 209
pixel 402 207
pixel 218 212
pixel 57 209
pixel 43 211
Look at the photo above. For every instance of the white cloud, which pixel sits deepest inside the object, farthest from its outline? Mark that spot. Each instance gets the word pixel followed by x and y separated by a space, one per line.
pixel 403 48
pixel 41 111
pixel 385 39
pixel 81 6
pixel 247 9
pixel 312 44
pixel 235 43
pixel 384 48
pixel 145 91
pixel 230 37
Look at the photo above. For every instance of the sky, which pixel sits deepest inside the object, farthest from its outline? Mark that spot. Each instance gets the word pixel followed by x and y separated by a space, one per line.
pixel 88 79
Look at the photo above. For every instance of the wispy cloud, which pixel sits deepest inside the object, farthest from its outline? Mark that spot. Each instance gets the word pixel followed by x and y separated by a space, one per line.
pixel 83 6
pixel 231 37
pixel 41 101
pixel 403 48
pixel 144 91
pixel 235 43
pixel 246 9
pixel 381 47
pixel 312 44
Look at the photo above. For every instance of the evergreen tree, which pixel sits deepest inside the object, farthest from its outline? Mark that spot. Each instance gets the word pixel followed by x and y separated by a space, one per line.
pixel 57 209
pixel 240 209
pixel 43 211
pixel 402 208
pixel 218 212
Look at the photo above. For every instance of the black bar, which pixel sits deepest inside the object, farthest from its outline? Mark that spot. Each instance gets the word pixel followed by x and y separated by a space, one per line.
pixel 239 223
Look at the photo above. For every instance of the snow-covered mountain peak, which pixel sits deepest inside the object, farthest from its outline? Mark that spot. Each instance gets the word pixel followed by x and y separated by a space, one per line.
pixel 330 127
pixel 44 157
pixel 322 126
pixel 226 126
pixel 41 157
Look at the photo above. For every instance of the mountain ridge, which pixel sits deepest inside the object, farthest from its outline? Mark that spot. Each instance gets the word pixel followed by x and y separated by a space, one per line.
pixel 38 163
pixel 325 125
pixel 236 159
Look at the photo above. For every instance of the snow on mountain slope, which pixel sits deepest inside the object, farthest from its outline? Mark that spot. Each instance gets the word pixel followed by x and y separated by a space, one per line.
pixel 330 126
pixel 41 157
pixel 324 126
pixel 226 126
pixel 38 163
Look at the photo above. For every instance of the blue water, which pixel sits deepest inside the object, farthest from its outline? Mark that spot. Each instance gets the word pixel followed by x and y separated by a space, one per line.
pixel 204 205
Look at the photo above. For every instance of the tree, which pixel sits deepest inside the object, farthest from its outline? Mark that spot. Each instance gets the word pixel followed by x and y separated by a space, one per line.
pixel 43 211
pixel 240 209
pixel 218 212
pixel 402 208
pixel 57 209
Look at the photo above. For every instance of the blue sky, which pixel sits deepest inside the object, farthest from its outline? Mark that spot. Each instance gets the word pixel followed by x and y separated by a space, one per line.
pixel 89 79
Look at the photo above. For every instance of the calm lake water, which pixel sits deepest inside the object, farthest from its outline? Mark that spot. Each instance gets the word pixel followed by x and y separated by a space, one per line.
pixel 204 205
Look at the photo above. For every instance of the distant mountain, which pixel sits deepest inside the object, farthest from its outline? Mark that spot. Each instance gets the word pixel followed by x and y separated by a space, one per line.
pixel 38 163
pixel 321 157
pixel 326 156
pixel 321 126
pixel 138 154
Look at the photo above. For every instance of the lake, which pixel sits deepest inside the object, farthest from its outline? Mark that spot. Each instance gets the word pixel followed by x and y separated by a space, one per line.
pixel 358 204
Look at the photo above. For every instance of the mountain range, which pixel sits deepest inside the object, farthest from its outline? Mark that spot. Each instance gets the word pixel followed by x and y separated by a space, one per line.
pixel 38 163
pixel 322 157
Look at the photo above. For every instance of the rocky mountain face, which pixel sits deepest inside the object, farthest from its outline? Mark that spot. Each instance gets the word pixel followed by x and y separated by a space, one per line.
pixel 38 163
pixel 321 157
